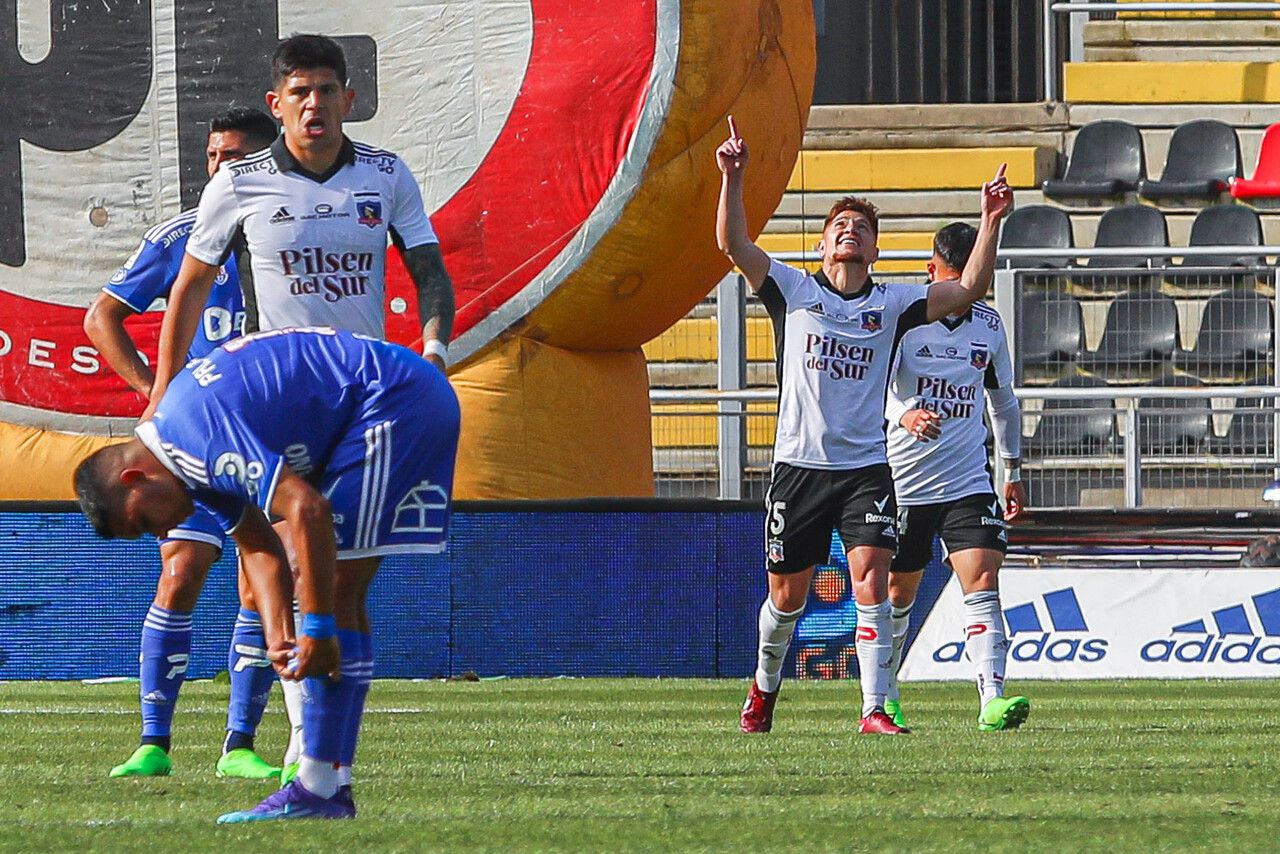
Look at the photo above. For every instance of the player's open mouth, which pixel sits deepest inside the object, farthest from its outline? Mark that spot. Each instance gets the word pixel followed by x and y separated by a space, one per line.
pixel 313 127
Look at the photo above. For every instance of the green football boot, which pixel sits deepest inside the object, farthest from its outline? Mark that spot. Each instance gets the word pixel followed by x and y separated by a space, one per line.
pixel 893 708
pixel 244 763
pixel 149 760
pixel 1004 713
pixel 290 771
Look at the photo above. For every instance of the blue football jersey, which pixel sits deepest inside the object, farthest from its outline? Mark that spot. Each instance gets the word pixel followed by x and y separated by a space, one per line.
pixel 149 273
pixel 231 421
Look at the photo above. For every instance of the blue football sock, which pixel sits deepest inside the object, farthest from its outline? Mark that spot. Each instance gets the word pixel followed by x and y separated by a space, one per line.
pixel 251 680
pixel 166 652
pixel 363 675
pixel 328 704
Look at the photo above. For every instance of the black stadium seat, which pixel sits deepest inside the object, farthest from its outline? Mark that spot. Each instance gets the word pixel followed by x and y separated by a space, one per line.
pixel 1203 156
pixel 1038 227
pixel 1252 430
pixel 1139 337
pixel 1065 429
pixel 1127 225
pixel 1050 330
pixel 1235 336
pixel 1107 160
pixel 1224 225
pixel 1174 425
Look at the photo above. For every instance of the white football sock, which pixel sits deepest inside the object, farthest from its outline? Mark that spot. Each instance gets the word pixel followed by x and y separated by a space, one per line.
pixel 875 650
pixel 320 778
pixel 344 775
pixel 776 629
pixel 901 621
pixel 985 641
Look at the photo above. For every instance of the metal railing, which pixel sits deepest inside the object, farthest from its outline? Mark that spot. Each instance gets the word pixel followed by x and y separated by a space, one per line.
pixel 1052 10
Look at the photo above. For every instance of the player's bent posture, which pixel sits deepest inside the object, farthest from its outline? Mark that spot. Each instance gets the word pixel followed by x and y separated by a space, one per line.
pixel 836 333
pixel 937 448
pixel 190 549
pixel 348 440
pixel 309 220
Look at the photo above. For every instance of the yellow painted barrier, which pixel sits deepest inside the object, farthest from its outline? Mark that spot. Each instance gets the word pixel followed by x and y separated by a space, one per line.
pixel 1172 82
pixel 917 168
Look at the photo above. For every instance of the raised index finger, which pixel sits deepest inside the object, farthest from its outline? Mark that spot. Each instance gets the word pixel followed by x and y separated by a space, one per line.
pixel 1000 171
pixel 733 128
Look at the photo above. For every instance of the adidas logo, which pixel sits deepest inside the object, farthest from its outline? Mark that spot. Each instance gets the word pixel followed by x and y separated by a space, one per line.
pixel 924 352
pixel 281 215
pixel 1059 610
pixel 1217 643
pixel 816 308
pixel 156 698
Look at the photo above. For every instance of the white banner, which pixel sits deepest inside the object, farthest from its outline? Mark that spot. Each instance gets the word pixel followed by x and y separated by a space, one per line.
pixel 1111 623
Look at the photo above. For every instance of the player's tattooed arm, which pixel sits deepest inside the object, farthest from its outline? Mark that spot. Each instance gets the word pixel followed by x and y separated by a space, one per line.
pixel 435 297
pixel 181 320
pixel 104 324
pixel 946 298
pixel 308 517
pixel 265 565
pixel 731 212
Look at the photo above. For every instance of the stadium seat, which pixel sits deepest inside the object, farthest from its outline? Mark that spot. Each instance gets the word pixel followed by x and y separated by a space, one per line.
pixel 1051 330
pixel 1065 430
pixel 1235 337
pixel 1172 425
pixel 1222 225
pixel 1139 337
pixel 1107 160
pixel 1251 431
pixel 1127 225
pixel 1204 155
pixel 1037 227
pixel 1266 174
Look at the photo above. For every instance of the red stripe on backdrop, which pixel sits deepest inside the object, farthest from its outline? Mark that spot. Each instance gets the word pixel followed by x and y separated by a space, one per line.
pixel 47 362
pixel 564 141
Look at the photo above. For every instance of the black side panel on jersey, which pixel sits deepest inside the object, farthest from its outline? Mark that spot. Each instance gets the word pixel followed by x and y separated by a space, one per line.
pixel 244 265
pixel 774 303
pixel 989 376
pixel 917 314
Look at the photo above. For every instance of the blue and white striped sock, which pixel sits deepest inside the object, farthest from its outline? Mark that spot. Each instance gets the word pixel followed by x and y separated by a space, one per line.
pixel 162 667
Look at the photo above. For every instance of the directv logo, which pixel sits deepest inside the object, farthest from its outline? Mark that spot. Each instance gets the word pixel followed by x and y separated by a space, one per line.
pixel 1216 644
pixel 1062 609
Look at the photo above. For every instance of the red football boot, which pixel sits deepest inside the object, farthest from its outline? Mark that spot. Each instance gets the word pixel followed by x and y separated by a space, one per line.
pixel 879 723
pixel 757 711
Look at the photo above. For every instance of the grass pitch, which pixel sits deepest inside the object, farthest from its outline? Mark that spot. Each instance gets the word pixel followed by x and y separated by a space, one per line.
pixel 643 765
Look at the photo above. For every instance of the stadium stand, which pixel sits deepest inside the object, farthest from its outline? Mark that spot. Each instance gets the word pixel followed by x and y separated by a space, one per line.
pixel 1234 342
pixel 1221 225
pixel 1250 432
pixel 1139 338
pixel 1265 182
pixel 1107 161
pixel 1204 155
pixel 1079 427
pixel 1127 225
pixel 1038 227
pixel 1175 425
pixel 1052 332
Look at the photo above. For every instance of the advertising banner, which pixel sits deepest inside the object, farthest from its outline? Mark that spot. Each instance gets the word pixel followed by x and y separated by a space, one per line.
pixel 1121 623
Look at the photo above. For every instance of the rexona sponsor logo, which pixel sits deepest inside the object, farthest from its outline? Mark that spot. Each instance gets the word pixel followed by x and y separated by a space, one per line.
pixel 1230 635
pixel 1052 629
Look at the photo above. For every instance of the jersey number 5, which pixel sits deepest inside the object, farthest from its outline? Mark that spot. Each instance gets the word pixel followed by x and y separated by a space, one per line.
pixel 776 522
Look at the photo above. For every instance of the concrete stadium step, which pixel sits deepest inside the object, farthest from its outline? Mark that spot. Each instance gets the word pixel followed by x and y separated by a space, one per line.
pixel 702 375
pixel 920 168
pixel 899 126
pixel 1171 82
pixel 1147 40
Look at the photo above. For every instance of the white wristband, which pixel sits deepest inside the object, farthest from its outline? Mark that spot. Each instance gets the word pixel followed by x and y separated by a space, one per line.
pixel 436 348
pixel 1013 474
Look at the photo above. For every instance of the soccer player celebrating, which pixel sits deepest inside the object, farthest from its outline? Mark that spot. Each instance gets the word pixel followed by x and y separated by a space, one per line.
pixel 836 332
pixel 190 549
pixel 313 215
pixel 351 442
pixel 937 449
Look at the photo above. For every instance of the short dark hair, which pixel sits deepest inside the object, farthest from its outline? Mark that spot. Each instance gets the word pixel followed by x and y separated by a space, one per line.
pixel 258 128
pixel 307 52
pixel 954 244
pixel 854 204
pixel 100 494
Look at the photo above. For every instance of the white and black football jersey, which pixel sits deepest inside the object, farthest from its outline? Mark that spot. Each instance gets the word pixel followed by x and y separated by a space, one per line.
pixel 834 353
pixel 316 243
pixel 945 367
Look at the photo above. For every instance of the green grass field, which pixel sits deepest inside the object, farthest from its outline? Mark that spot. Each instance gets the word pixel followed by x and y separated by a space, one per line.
pixel 643 765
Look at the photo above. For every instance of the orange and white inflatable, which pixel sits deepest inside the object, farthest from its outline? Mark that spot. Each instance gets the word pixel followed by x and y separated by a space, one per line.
pixel 565 148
